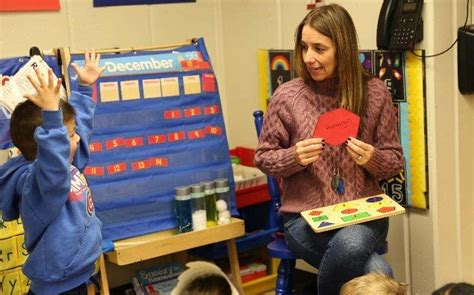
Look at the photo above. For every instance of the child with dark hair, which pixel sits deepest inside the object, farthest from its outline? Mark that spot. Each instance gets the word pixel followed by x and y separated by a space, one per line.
pixel 203 278
pixel 46 187
pixel 208 284
pixel 455 289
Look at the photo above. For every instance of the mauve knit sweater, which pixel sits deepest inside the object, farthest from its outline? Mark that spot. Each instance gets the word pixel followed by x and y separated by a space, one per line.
pixel 291 117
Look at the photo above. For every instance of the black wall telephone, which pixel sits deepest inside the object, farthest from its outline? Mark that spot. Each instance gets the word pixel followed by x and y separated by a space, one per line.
pixel 400 24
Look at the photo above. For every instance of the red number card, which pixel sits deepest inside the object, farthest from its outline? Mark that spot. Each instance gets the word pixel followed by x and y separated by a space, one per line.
pixel 134 142
pixel 214 130
pixel 211 110
pixel 95 147
pixel 159 162
pixel 156 139
pixel 172 114
pixel 117 168
pixel 176 136
pixel 191 112
pixel 114 143
pixel 140 165
pixel 196 134
pixel 94 171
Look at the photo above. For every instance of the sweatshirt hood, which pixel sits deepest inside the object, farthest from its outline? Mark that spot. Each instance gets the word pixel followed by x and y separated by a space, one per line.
pixel 12 174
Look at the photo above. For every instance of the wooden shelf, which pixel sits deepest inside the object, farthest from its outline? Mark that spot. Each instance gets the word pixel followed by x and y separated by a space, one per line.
pixel 166 242
pixel 162 243
pixel 261 285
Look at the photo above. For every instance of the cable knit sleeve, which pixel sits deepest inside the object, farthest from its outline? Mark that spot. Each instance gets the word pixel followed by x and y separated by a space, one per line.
pixel 275 155
pixel 388 156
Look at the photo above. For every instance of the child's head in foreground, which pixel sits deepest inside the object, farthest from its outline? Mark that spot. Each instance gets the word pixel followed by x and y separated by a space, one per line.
pixel 27 117
pixel 373 283
pixel 203 278
pixel 455 289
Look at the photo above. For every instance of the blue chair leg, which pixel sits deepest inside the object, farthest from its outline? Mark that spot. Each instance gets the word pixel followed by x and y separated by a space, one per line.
pixel 284 284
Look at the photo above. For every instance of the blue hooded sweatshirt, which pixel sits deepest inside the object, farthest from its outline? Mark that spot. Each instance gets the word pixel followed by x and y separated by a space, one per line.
pixel 62 233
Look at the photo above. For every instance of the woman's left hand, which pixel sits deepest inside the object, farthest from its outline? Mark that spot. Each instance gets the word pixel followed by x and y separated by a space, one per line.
pixel 360 151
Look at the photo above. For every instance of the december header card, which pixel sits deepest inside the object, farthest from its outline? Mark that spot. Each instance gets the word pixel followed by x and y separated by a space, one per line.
pixel 352 212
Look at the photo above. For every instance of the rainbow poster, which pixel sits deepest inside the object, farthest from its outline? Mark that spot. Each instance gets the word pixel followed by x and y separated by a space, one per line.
pixel 280 67
pixel 352 212
pixel 275 67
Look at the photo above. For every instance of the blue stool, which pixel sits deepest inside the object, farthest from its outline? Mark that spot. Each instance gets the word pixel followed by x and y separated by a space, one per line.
pixel 278 247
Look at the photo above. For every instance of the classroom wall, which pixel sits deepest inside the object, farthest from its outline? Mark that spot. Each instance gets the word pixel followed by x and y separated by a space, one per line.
pixel 427 248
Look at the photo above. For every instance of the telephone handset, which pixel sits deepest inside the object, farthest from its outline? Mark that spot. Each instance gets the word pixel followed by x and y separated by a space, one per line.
pixel 400 24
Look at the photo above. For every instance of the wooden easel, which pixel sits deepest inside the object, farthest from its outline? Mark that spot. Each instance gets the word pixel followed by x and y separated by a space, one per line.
pixel 167 242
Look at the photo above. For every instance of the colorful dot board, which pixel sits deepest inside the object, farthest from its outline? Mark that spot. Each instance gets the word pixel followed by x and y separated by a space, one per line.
pixel 352 212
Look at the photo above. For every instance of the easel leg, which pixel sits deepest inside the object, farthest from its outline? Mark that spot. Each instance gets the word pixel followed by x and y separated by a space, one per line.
pixel 104 283
pixel 234 264
pixel 90 289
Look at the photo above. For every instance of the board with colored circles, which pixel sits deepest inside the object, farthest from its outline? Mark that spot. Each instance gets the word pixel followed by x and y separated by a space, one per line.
pixel 352 212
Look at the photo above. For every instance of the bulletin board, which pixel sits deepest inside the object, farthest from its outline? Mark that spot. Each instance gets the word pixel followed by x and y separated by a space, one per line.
pixel 404 75
pixel 158 125
pixel 13 255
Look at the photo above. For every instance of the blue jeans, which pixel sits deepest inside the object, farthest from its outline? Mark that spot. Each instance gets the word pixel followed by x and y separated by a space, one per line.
pixel 339 255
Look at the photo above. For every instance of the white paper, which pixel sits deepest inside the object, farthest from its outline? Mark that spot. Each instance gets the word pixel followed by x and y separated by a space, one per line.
pixel 11 94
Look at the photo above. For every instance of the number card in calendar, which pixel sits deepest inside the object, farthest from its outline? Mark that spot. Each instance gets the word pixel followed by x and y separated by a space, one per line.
pixel 352 212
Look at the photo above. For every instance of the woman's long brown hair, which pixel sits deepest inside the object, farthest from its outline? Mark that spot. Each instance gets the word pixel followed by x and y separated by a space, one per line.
pixel 335 22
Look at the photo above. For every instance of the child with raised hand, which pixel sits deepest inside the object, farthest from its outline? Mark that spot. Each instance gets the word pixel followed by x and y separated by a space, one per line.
pixel 46 187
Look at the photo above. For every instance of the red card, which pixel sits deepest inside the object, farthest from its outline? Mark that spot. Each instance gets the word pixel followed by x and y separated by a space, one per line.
pixel 94 171
pixel 336 126
pixel 29 5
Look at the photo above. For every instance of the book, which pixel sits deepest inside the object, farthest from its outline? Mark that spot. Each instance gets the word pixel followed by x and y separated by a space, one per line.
pixel 352 212
pixel 251 270
pixel 159 279
pixel 11 94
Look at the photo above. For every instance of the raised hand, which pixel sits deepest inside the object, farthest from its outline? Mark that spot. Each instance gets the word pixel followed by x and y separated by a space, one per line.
pixel 360 151
pixel 307 151
pixel 48 92
pixel 91 71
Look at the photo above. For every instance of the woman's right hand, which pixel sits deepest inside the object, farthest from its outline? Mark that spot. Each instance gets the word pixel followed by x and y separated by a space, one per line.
pixel 307 151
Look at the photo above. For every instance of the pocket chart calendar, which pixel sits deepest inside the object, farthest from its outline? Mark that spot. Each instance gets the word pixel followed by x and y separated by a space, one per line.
pixel 158 125
pixel 352 212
